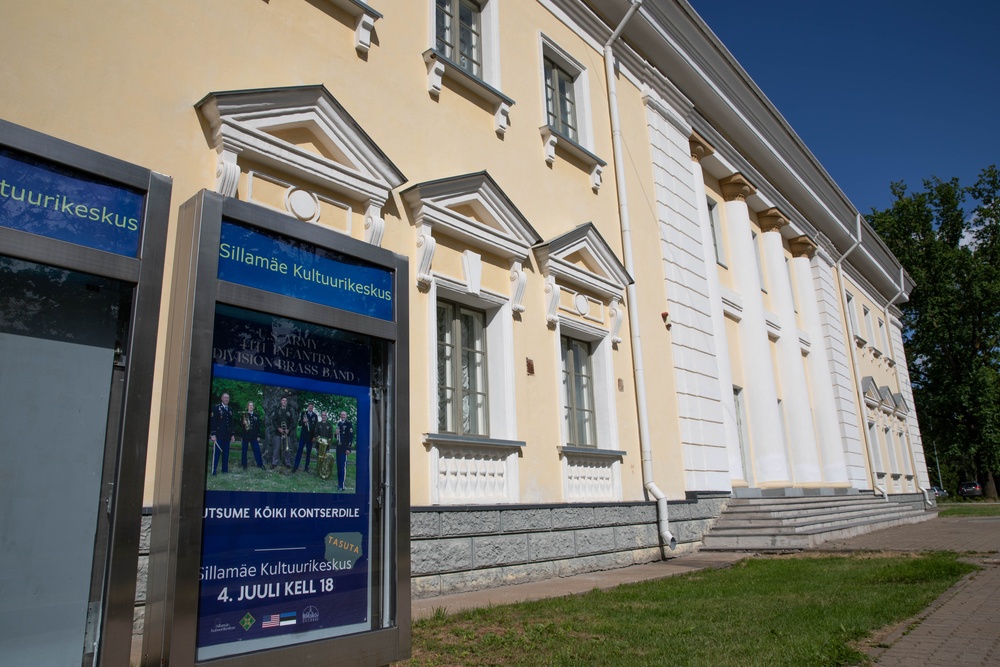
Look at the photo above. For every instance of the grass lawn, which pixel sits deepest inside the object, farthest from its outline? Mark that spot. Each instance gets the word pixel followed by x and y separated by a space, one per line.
pixel 800 610
pixel 281 479
pixel 969 509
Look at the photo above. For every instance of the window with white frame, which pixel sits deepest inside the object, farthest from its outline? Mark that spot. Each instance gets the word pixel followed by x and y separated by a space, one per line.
pixel 579 419
pixel 791 284
pixel 867 318
pixel 560 100
pixel 883 340
pixel 461 370
pixel 459 35
pixel 759 260
pixel 716 225
pixel 852 314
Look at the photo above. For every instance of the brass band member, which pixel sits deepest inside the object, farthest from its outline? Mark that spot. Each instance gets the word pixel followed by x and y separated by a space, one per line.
pixel 282 420
pixel 307 431
pixel 221 434
pixel 251 435
pixel 345 440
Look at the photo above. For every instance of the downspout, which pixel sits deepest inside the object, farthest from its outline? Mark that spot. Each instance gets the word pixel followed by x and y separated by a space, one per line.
pixel 909 445
pixel 662 523
pixel 854 362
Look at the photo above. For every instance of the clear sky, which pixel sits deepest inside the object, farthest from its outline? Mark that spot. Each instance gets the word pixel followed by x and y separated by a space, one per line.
pixel 879 90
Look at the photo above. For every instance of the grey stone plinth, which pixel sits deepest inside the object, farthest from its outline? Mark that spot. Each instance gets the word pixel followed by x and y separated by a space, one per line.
pixel 573 517
pixel 476 580
pixel 516 521
pixel 636 537
pixel 470 523
pixel 425 587
pixel 425 524
pixel 431 556
pixel 595 540
pixel 496 550
pixel 142 575
pixel 549 546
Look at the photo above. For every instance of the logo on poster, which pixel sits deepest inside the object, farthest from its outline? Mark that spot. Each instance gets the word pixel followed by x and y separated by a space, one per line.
pixel 247 621
pixel 310 615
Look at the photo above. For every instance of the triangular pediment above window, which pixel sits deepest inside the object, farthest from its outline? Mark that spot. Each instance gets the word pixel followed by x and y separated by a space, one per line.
pixel 870 390
pixel 887 400
pixel 473 209
pixel 300 135
pixel 901 407
pixel 583 258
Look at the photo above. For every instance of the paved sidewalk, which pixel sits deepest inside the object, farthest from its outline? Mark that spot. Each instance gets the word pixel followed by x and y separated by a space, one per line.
pixel 962 627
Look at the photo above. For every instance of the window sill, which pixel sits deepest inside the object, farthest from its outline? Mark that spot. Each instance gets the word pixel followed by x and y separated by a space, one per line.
pixel 471 441
pixel 551 138
pixel 364 17
pixel 592 451
pixel 439 67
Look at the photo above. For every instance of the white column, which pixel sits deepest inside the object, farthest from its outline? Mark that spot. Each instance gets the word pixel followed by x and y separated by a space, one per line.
pixel 831 447
pixel 770 461
pixel 795 390
pixel 730 426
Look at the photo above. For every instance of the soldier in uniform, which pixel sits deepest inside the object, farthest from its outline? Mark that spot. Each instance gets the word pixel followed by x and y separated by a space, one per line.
pixel 221 434
pixel 251 435
pixel 345 440
pixel 307 431
pixel 282 423
pixel 324 438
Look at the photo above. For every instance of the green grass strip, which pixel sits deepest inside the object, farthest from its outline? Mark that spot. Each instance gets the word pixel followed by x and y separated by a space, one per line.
pixel 762 611
pixel 969 509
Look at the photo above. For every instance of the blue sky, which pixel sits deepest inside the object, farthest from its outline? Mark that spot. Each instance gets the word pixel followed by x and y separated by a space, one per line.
pixel 880 90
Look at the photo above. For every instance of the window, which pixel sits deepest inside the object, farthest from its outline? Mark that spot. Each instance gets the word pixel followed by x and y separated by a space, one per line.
pixel 461 366
pixel 791 285
pixel 852 314
pixel 578 393
pixel 560 100
pixel 867 317
pixel 741 428
pixel 458 34
pixel 716 225
pixel 883 340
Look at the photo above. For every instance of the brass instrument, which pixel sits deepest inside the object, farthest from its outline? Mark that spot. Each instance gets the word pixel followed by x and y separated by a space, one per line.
pixel 246 421
pixel 325 465
pixel 285 446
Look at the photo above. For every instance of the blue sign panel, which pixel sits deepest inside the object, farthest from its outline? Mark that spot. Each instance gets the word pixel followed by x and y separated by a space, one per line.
pixel 64 204
pixel 284 266
pixel 286 528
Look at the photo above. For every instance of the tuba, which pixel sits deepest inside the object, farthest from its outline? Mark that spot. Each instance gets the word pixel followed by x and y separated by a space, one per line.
pixel 246 421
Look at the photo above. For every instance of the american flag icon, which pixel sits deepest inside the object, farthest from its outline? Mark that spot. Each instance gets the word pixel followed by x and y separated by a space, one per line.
pixel 275 620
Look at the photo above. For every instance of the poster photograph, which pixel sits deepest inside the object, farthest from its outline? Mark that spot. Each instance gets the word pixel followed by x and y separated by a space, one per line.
pixel 287 516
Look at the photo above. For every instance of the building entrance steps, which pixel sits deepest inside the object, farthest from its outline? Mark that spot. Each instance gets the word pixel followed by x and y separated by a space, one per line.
pixel 782 524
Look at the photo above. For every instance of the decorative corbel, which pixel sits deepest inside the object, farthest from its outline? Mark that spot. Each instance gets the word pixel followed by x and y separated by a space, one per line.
pixel 595 177
pixel 549 141
pixel 374 223
pixel 616 319
pixel 554 292
pixel 425 254
pixel 435 72
pixel 363 32
pixel 518 279
pixel 227 171
pixel 502 118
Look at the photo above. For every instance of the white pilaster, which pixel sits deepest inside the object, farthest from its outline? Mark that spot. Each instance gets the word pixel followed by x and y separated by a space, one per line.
pixel 738 472
pixel 795 391
pixel 831 447
pixel 770 459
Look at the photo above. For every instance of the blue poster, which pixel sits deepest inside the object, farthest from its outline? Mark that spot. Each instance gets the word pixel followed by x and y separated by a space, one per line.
pixel 68 205
pixel 291 268
pixel 287 521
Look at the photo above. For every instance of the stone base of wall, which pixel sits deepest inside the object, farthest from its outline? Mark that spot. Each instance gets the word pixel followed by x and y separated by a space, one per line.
pixel 461 549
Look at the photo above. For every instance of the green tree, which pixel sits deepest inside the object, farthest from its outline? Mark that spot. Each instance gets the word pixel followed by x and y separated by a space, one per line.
pixel 948 238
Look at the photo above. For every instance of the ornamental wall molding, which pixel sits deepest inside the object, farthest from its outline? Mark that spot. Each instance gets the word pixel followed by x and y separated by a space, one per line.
pixel 251 124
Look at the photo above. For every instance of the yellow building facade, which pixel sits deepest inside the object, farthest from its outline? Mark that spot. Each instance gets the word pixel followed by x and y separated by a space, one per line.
pixel 634 293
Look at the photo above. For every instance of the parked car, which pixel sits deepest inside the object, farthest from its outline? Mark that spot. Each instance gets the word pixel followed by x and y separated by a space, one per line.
pixel 939 492
pixel 970 489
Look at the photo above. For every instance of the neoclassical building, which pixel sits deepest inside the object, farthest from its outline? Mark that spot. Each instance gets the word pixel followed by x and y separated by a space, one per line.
pixel 634 294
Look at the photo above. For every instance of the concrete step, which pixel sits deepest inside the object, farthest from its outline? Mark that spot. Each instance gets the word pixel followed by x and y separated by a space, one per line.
pixel 787 524
pixel 805 524
pixel 803 540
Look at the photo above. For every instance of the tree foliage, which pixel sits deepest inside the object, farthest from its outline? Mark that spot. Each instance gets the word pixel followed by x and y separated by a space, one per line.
pixel 948 238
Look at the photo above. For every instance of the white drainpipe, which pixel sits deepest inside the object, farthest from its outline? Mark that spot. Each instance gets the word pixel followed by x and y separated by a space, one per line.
pixel 854 361
pixel 909 448
pixel 663 526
